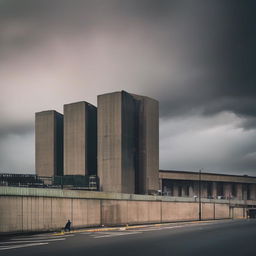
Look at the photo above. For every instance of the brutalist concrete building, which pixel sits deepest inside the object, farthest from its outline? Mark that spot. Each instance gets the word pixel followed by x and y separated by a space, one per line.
pixel 125 130
pixel 80 139
pixel 212 185
pixel 49 143
pixel 128 143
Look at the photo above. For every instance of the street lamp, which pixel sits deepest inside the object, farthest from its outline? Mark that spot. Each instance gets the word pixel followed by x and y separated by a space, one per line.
pixel 199 195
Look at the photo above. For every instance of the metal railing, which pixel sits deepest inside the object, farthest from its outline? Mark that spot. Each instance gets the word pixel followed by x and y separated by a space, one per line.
pixel 87 182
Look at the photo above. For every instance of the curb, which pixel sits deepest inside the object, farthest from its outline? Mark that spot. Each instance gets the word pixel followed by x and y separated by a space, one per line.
pixel 128 227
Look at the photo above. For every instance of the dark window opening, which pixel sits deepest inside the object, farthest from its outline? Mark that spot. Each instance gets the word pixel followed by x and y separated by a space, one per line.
pixel 220 189
pixel 234 190
pixel 179 190
pixel 248 192
pixel 187 190
pixel 209 189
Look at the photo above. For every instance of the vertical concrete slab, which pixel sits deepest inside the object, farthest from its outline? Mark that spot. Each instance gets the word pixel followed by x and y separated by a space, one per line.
pixel 221 211
pixel 49 143
pixel 35 213
pixel 79 215
pixel 174 211
pixel 154 212
pixel 130 141
pixel 227 190
pixel 238 213
pixel 191 190
pixel 175 189
pixel 11 214
pixel 214 189
pixel 239 191
pixel 148 122
pixel 80 139
pixel 93 212
pixel 27 218
pixel 40 213
pixel 61 212
pixel 132 212
pixel 114 212
pixel 110 142
pixel 47 213
pixel 207 211
pixel 143 212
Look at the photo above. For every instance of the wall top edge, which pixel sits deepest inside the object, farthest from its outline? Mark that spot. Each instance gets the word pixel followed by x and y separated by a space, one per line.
pixel 60 193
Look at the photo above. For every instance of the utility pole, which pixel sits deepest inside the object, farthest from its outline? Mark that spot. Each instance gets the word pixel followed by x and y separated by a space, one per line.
pixel 199 195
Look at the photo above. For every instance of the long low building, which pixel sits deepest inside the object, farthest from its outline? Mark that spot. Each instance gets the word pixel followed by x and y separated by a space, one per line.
pixel 212 185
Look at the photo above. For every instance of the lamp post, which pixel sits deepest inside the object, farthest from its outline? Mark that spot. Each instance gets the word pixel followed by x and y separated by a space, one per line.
pixel 199 195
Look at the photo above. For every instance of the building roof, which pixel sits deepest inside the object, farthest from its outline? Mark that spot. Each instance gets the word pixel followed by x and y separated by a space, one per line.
pixel 186 175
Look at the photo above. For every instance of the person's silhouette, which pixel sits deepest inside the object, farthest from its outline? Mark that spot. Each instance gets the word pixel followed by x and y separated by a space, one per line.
pixel 68 226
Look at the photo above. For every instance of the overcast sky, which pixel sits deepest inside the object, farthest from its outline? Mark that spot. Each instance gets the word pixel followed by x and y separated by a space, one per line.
pixel 198 58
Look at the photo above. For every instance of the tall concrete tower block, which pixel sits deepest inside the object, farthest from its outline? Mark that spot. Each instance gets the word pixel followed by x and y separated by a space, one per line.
pixel 49 143
pixel 80 139
pixel 148 147
pixel 128 143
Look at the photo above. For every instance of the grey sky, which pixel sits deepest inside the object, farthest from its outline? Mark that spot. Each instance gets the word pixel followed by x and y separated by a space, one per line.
pixel 197 58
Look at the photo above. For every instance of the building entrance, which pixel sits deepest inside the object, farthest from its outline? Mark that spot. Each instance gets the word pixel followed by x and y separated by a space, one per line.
pixel 251 213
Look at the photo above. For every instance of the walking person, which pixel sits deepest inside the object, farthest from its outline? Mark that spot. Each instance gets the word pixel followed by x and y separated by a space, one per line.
pixel 68 226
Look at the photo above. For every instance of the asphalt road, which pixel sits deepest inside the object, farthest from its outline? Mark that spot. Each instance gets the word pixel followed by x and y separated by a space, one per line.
pixel 230 237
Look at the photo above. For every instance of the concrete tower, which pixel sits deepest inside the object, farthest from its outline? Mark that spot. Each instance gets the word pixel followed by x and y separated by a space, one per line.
pixel 49 143
pixel 148 146
pixel 128 143
pixel 80 139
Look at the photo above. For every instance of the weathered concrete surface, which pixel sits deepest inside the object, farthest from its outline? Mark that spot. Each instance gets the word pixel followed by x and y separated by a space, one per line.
pixel 128 143
pixel 179 175
pixel 110 142
pixel 49 143
pixel 30 209
pixel 208 211
pixel 222 211
pixel 238 212
pixel 177 211
pixel 148 122
pixel 80 139
pixel 176 183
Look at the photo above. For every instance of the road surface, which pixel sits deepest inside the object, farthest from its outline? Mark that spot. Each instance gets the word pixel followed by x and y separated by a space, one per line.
pixel 229 237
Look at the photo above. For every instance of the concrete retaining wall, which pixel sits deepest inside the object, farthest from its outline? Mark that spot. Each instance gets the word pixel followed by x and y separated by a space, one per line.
pixel 27 209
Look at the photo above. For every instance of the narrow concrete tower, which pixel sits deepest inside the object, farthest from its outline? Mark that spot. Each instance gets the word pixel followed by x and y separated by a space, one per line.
pixel 128 143
pixel 80 139
pixel 49 143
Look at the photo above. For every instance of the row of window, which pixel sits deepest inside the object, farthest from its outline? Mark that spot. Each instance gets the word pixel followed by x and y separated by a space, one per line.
pixel 183 189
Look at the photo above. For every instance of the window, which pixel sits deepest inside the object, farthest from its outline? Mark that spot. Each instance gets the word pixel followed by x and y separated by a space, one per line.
pixel 220 190
pixel 209 189
pixel 234 190
pixel 248 192
pixel 179 190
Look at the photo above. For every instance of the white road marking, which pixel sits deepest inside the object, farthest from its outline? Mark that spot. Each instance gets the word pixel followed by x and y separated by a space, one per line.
pixel 29 241
pixel 20 246
pixel 38 238
pixel 116 234
pixel 180 226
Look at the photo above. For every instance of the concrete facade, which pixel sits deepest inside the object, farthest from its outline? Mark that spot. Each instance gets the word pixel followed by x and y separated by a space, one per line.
pixel 33 209
pixel 148 144
pixel 128 143
pixel 180 183
pixel 80 139
pixel 49 143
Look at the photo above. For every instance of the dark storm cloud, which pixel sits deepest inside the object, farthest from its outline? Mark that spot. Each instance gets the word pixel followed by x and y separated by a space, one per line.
pixel 16 129
pixel 224 54
pixel 197 58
